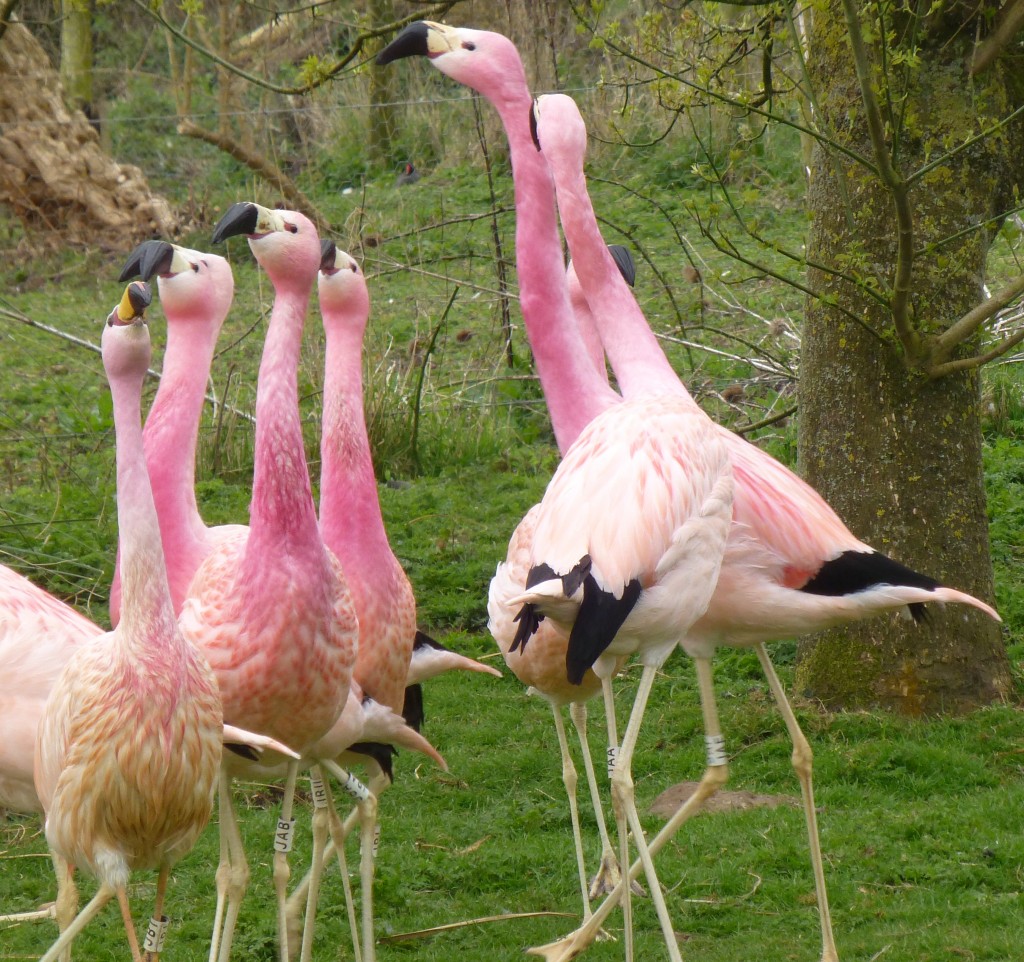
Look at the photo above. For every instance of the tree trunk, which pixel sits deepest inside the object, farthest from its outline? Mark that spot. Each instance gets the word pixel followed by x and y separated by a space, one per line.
pixel 383 117
pixel 76 55
pixel 897 454
pixel 53 173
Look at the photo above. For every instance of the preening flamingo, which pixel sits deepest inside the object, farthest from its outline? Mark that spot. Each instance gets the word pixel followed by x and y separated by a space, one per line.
pixel 270 608
pixel 790 567
pixel 574 389
pixel 196 290
pixel 130 740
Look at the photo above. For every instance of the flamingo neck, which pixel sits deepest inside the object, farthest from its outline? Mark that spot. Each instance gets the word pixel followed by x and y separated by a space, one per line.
pixel 147 626
pixel 637 359
pixel 574 391
pixel 281 513
pixel 350 517
pixel 169 439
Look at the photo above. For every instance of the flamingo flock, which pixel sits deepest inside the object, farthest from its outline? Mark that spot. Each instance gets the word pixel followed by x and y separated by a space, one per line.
pixel 292 641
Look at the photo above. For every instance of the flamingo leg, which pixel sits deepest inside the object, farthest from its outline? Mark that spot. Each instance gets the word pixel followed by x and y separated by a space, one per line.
pixel 337 841
pixel 282 846
pixel 802 764
pixel 608 874
pixel 232 874
pixel 715 775
pixel 623 794
pixel 366 803
pixel 569 779
pixel 129 924
pixel 80 921
pixel 154 942
pixel 321 825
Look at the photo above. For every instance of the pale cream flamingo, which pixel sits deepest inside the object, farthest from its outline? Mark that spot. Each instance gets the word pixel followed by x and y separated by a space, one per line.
pixel 130 740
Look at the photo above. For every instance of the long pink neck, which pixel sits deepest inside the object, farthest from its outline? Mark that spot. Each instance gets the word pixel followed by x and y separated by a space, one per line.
pixel 350 518
pixel 637 359
pixel 170 438
pixel 281 515
pixel 574 391
pixel 148 623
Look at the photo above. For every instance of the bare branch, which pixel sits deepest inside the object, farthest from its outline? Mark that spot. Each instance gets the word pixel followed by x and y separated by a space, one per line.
pixel 435 12
pixel 1009 20
pixel 21 318
pixel 944 344
pixel 969 363
pixel 260 165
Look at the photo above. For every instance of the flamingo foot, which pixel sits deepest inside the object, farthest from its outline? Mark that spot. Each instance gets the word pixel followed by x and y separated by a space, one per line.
pixel 564 949
pixel 608 876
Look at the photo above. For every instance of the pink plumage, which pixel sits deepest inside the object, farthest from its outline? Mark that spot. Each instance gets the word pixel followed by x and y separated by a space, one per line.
pixel 196 290
pixel 130 740
pixel 790 565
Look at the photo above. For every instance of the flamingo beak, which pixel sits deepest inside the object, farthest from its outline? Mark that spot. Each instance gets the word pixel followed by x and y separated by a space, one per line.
pixel 413 41
pixel 328 254
pixel 132 306
pixel 240 218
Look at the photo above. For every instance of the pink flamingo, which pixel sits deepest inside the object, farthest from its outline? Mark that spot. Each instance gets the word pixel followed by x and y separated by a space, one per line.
pixel 574 390
pixel 350 516
pixel 130 740
pixel 270 607
pixel 196 290
pixel 790 567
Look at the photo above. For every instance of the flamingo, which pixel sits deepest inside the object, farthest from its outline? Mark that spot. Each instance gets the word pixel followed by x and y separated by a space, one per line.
pixel 196 289
pixel 270 607
pixel 790 567
pixel 575 385
pixel 130 740
pixel 351 523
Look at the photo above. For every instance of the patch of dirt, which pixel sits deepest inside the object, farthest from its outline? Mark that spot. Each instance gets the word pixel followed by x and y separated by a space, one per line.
pixel 670 800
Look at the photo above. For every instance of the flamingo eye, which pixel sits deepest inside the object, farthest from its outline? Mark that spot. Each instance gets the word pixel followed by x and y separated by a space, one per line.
pixel 468 45
pixel 291 228
pixel 195 267
pixel 355 268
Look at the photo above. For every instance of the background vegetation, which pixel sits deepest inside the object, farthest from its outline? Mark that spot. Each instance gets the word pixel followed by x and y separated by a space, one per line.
pixel 920 819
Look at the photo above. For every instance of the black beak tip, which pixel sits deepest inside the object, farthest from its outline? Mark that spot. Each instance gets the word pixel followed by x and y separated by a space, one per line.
pixel 533 125
pixel 328 249
pixel 133 265
pixel 156 259
pixel 624 261
pixel 240 218
pixel 411 42
pixel 140 294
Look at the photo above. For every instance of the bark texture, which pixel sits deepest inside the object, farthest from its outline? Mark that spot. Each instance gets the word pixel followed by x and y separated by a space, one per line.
pixel 896 453
pixel 54 174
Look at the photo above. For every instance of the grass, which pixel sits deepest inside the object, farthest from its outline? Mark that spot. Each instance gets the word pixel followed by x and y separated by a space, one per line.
pixel 920 819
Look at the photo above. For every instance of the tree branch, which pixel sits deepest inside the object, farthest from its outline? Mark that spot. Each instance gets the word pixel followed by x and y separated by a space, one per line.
pixel 944 344
pixel 260 165
pixel 897 187
pixel 969 363
pixel 436 12
pixel 1009 20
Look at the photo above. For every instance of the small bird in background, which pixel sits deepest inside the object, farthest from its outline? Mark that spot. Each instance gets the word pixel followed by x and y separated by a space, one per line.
pixel 129 744
pixel 407 175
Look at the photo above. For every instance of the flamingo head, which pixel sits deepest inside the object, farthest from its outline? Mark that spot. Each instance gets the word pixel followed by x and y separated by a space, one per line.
pixel 559 130
pixel 194 286
pixel 125 342
pixel 284 242
pixel 342 287
pixel 484 61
